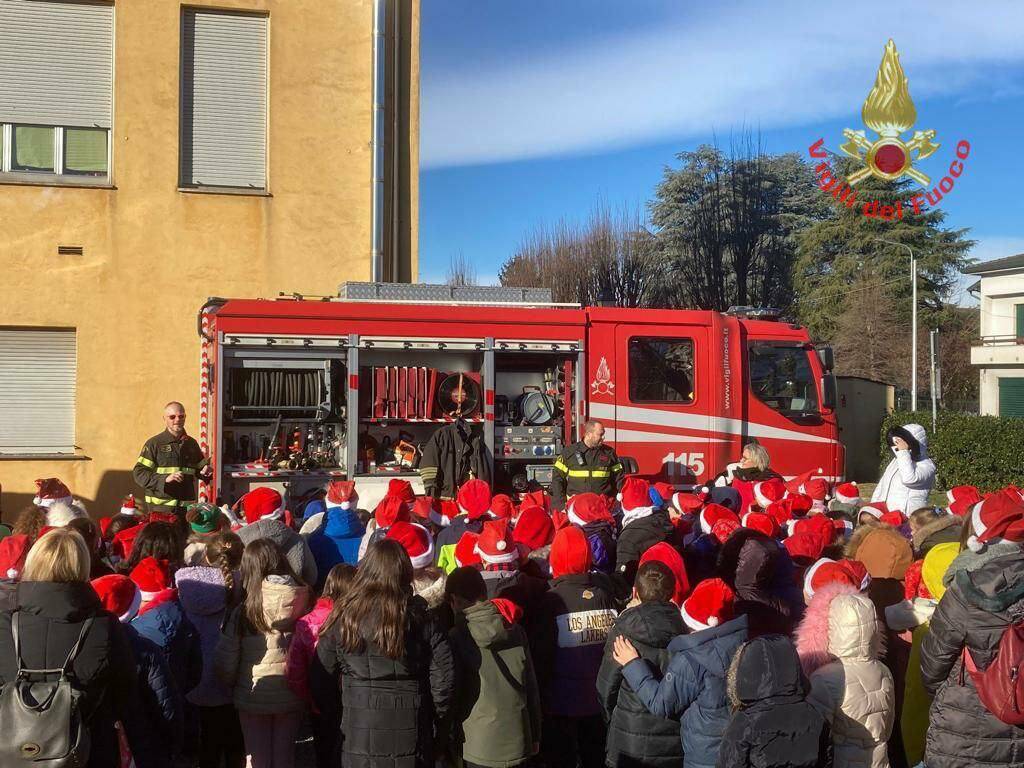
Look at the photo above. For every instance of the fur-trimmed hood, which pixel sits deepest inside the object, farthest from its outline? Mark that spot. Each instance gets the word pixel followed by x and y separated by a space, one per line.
pixel 839 623
pixel 429 584
pixel 937 526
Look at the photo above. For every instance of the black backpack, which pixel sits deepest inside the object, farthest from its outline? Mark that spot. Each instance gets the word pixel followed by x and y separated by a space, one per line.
pixel 41 713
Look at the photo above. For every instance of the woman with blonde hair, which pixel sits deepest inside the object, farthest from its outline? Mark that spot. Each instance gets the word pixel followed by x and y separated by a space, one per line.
pixel 57 607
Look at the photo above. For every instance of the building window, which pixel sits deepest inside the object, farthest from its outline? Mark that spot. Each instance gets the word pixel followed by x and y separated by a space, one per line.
pixel 781 377
pixel 660 370
pixel 38 368
pixel 57 61
pixel 1019 312
pixel 1011 396
pixel 223 100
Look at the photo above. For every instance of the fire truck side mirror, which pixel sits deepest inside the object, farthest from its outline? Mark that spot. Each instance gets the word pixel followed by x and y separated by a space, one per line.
pixel 629 465
pixel 829 392
pixel 826 357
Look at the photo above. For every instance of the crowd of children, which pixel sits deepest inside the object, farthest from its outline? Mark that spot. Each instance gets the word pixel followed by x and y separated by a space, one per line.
pixel 755 622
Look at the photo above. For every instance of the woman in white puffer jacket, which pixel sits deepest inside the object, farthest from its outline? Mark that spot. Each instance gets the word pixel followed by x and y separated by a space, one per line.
pixel 910 476
pixel 839 642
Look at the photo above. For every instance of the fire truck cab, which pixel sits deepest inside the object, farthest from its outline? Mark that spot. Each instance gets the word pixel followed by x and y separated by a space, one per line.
pixel 296 391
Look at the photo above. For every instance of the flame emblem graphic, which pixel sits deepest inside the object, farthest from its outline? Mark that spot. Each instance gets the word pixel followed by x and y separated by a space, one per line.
pixel 602 384
pixel 889 111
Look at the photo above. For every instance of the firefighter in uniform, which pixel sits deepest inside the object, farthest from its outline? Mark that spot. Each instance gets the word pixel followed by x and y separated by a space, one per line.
pixel 169 463
pixel 589 466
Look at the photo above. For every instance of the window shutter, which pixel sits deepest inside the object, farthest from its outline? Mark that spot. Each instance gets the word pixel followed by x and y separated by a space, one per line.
pixel 37 391
pixel 223 99
pixel 56 63
pixel 1020 320
pixel 1011 396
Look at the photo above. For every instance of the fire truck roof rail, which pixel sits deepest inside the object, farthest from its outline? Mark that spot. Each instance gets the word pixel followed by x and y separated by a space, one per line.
pixel 425 293
pixel 754 313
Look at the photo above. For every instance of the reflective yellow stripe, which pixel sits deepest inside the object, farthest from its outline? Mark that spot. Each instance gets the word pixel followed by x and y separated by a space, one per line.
pixel 172 470
pixel 145 462
pixel 616 468
pixel 589 473
pixel 560 466
pixel 163 502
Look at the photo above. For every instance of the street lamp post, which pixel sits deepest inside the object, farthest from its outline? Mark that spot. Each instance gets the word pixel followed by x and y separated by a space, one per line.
pixel 913 321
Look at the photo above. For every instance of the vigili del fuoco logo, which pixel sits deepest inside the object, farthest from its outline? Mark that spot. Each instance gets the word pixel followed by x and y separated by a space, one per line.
pixel 889 113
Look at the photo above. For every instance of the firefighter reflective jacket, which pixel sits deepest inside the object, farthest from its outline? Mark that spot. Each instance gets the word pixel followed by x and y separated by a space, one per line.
pixel 581 469
pixel 163 455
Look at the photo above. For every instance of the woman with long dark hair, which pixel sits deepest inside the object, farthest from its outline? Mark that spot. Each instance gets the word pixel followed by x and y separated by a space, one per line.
pixel 393 663
pixel 253 650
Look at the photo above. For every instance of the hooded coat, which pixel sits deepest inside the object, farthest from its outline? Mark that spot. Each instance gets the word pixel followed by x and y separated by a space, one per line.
pixel 51 618
pixel 336 541
pixel 303 647
pixel 253 663
pixel 838 642
pixel 635 736
pixel 773 725
pixel 639 536
pixel 910 476
pixel 163 622
pixel 295 548
pixel 944 529
pixel 389 706
pixel 156 716
pixel 693 688
pixel 204 599
pixel 973 613
pixel 755 567
pixel 497 700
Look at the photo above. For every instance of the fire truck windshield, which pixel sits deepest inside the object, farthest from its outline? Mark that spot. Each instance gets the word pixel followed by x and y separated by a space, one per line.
pixel 782 378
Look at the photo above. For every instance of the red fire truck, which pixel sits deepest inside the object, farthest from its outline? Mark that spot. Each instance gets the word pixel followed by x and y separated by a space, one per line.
pixel 298 390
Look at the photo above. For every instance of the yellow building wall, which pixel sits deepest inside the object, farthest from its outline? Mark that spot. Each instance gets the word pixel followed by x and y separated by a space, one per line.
pixel 153 254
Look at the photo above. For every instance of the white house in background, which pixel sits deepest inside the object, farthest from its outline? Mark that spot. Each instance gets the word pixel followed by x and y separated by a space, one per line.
pixel 999 354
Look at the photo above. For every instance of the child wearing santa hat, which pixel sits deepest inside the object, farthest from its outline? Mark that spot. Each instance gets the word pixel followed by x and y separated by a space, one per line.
pixel 474 500
pixel 692 688
pixel 592 513
pixel 643 526
pixel 427 579
pixel 338 537
pixel 398 504
pixel 264 511
pixel 499 563
pixel 576 616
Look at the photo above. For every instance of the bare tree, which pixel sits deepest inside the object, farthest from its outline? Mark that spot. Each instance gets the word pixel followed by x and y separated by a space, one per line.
pixel 461 271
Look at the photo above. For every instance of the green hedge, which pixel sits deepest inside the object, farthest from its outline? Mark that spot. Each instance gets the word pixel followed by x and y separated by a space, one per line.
pixel 986 451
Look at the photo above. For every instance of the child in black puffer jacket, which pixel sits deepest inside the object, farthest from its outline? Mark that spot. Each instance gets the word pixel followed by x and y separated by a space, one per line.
pixel 772 725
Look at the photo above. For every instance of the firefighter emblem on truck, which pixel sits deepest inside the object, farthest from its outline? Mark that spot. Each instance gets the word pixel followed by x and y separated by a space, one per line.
pixel 602 383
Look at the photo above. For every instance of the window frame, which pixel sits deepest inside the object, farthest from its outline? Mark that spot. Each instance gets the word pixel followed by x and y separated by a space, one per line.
pixel 59 176
pixel 815 378
pixel 675 338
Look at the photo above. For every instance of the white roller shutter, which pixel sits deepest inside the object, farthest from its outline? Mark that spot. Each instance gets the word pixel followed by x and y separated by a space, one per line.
pixel 56 63
pixel 223 99
pixel 37 391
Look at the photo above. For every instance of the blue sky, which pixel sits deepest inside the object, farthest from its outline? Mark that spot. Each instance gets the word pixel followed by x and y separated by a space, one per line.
pixel 535 111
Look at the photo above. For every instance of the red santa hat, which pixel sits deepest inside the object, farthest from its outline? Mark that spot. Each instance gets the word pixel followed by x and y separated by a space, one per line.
pixel 816 525
pixel 465 550
pixel 570 552
pixel 416 540
pixel 665 491
pixel 876 509
pixel 768 491
pixel 341 494
pixel 474 499
pixel 151 576
pixel 669 556
pixel 390 510
pixel 687 503
pixel 800 504
pixel 759 521
pixel 401 490
pixel 828 571
pixel 780 511
pixel 124 540
pixel 893 517
pixel 533 529
pixel 496 544
pixel 848 493
pixel 796 484
pixel 49 491
pixel 723 529
pixel 588 508
pixel 962 498
pixel 635 499
pixel 817 489
pixel 804 547
pixel 999 516
pixel 712 513
pixel 262 503
pixel 537 498
pixel 119 595
pixel 710 603
pixel 129 507
pixel 502 506
pixel 423 506
pixel 13 551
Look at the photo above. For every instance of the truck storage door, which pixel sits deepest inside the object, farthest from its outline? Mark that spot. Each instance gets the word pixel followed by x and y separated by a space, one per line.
pixel 662 401
pixel 785 410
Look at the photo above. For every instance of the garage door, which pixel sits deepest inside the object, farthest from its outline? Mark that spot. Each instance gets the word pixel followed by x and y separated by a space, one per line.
pixel 1011 397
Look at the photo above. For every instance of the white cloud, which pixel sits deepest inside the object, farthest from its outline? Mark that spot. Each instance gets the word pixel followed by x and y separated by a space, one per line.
pixel 757 64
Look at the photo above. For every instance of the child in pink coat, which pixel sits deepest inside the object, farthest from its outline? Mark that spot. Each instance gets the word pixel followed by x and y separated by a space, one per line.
pixel 301 655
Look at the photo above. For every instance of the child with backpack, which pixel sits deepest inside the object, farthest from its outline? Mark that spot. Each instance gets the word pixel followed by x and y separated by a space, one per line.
pixel 693 687
pixel 635 736
pixel 206 592
pixel 773 725
pixel 497 715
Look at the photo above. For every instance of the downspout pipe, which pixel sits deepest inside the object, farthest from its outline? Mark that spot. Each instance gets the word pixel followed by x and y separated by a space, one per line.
pixel 377 144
